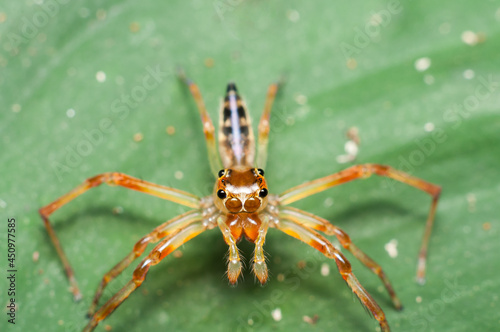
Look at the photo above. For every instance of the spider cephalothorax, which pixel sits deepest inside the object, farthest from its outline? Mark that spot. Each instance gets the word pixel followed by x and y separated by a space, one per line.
pixel 241 190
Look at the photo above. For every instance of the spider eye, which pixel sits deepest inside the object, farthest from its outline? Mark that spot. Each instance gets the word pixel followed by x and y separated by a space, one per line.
pixel 221 172
pixel 221 194
pixel 263 192
pixel 260 171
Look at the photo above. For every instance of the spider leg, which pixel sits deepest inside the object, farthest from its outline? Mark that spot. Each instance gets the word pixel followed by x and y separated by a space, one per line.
pixel 208 127
pixel 264 124
pixel 164 248
pixel 259 260
pixel 312 221
pixel 120 179
pixel 234 265
pixel 320 243
pixel 364 171
pixel 158 233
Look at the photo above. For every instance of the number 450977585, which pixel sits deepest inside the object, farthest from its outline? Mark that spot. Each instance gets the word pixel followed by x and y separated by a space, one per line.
pixel 11 242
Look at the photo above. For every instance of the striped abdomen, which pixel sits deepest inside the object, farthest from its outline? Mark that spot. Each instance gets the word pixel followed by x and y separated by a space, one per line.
pixel 236 140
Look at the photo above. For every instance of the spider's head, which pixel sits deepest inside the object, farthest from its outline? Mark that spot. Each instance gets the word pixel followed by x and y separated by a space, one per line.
pixel 241 190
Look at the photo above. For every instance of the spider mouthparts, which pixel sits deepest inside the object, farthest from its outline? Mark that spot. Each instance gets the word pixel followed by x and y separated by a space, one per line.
pixel 260 270
pixel 233 271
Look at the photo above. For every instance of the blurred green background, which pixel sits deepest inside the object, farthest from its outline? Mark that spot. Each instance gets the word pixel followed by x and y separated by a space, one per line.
pixel 420 80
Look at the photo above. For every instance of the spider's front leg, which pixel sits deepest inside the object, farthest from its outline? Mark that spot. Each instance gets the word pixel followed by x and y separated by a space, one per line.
pixel 164 248
pixel 114 178
pixel 312 221
pixel 320 243
pixel 157 234
pixel 364 171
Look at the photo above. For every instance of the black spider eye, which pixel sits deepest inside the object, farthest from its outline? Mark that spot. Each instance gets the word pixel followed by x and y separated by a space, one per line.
pixel 221 172
pixel 260 171
pixel 263 192
pixel 221 194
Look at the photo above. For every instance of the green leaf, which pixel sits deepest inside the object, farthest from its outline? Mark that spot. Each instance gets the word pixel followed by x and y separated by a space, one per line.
pixel 76 86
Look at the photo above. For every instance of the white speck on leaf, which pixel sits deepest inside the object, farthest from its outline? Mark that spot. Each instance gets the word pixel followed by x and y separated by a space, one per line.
pixel 276 313
pixel 392 248
pixel 100 76
pixel 423 64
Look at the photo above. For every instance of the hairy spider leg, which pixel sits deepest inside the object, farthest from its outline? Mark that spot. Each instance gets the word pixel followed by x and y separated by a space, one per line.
pixel 364 171
pixel 317 241
pixel 164 248
pixel 259 260
pixel 208 127
pixel 312 221
pixel 114 178
pixel 234 265
pixel 156 235
pixel 265 125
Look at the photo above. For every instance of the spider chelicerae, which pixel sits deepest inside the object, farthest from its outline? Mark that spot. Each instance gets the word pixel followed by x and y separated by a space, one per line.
pixel 241 206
